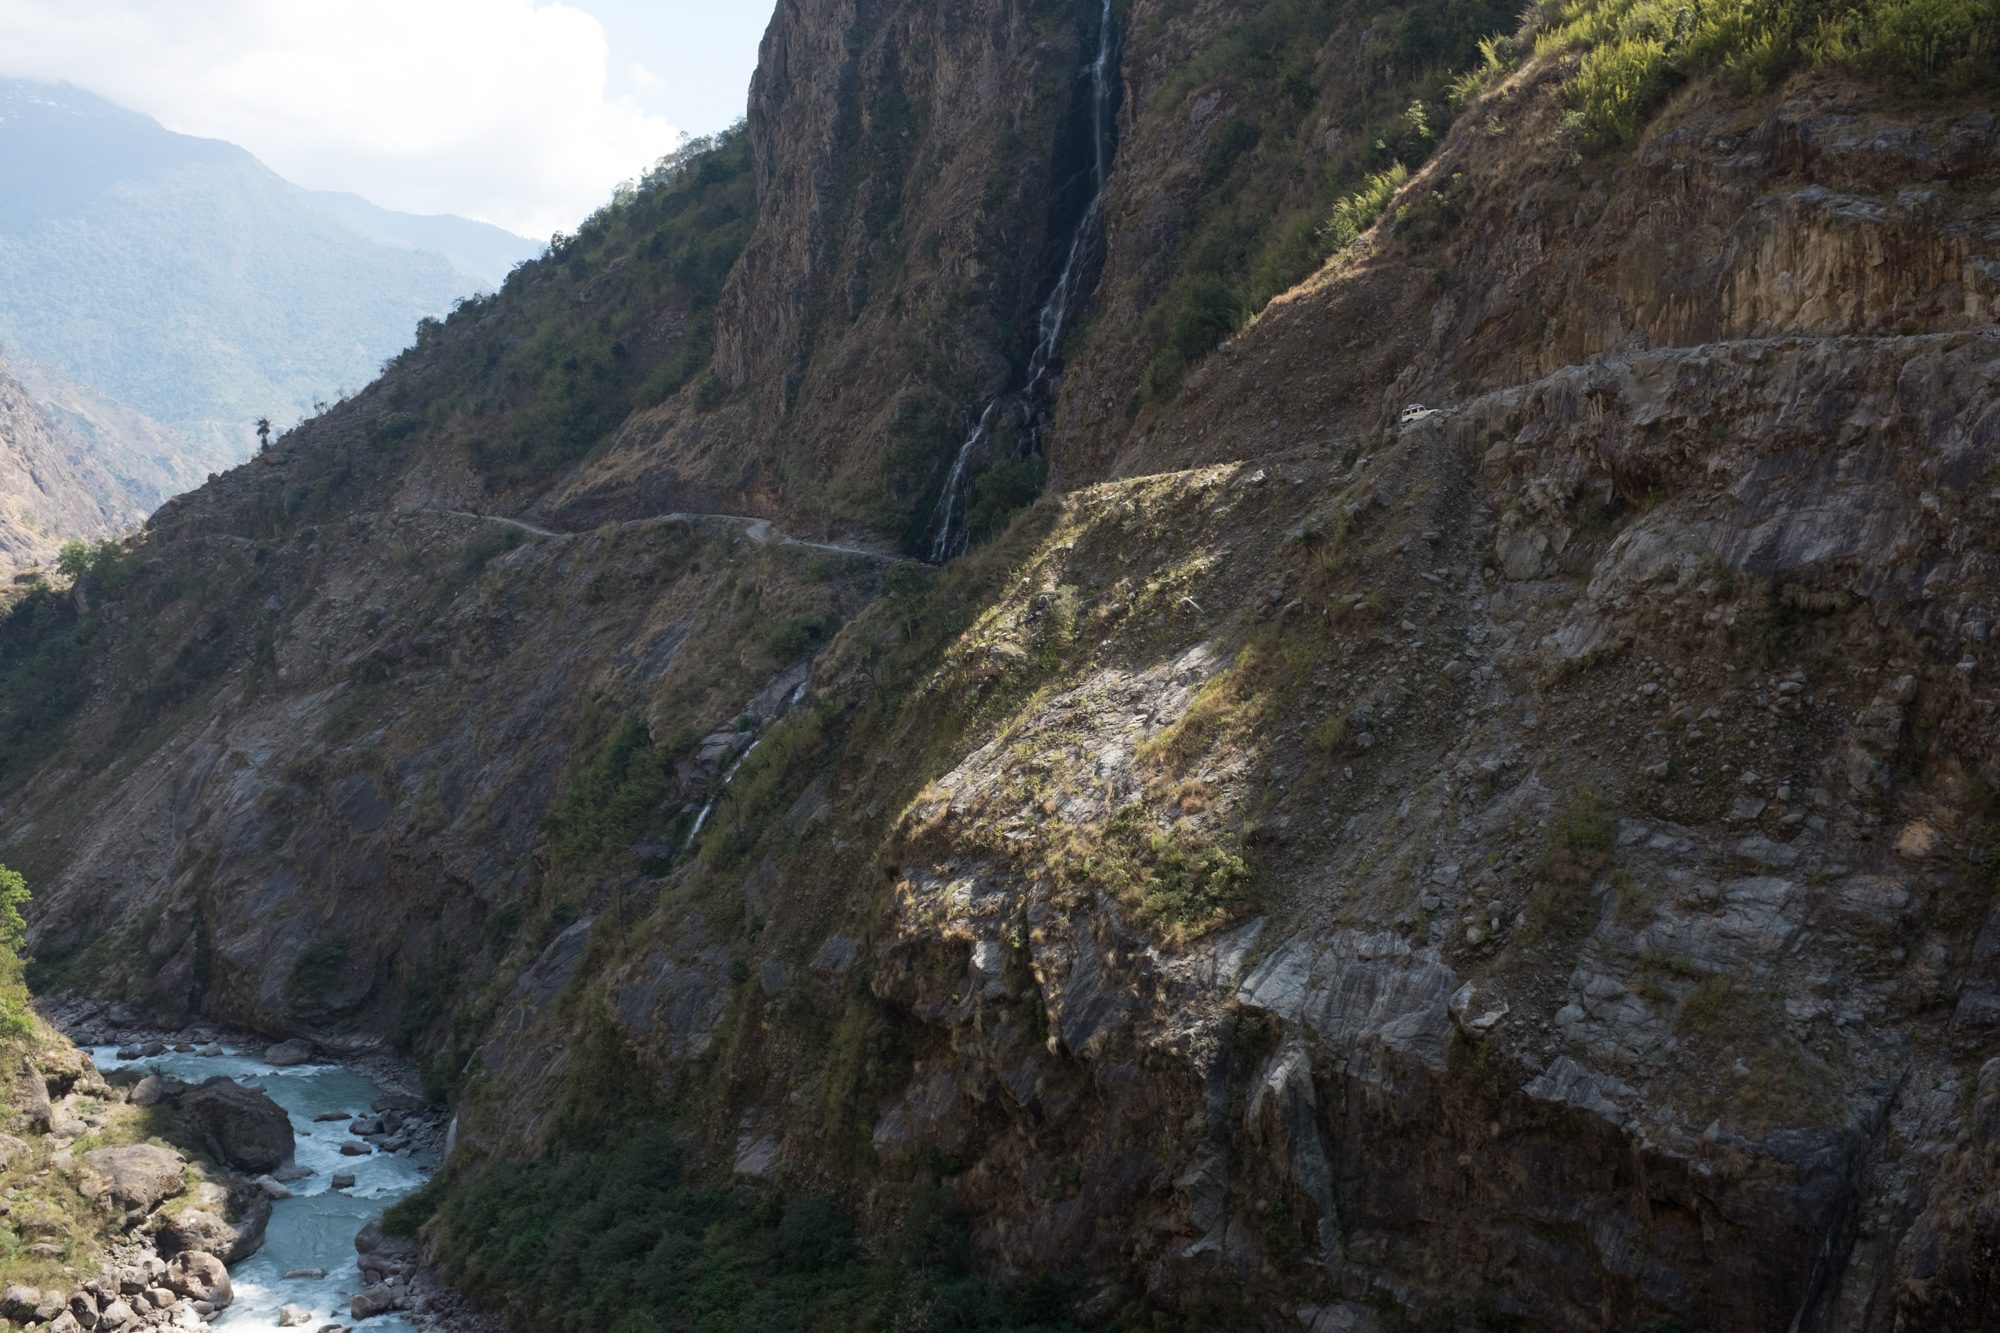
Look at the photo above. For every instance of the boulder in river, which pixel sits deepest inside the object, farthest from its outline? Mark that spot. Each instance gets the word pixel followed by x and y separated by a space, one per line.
pixel 242 1126
pixel 355 1148
pixel 293 1316
pixel 297 1051
pixel 200 1277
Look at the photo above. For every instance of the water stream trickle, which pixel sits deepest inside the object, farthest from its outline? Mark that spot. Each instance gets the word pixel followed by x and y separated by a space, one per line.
pixel 948 523
pixel 315 1227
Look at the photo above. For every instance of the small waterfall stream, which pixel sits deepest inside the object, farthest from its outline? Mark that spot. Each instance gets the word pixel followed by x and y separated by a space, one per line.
pixel 949 537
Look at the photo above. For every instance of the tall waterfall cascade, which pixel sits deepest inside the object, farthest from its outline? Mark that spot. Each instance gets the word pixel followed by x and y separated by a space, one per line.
pixel 1031 400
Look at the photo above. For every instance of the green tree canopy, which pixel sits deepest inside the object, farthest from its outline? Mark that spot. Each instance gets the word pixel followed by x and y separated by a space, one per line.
pixel 13 897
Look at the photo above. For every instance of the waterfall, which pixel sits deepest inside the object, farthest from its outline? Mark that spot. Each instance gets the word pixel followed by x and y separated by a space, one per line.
pixel 1080 267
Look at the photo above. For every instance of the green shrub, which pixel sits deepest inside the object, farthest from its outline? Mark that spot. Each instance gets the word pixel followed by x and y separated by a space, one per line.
pixel 316 970
pixel 45 651
pixel 618 1237
pixel 613 798
pixel 1358 211
pixel 16 1019
pixel 1634 53
pixel 1306 133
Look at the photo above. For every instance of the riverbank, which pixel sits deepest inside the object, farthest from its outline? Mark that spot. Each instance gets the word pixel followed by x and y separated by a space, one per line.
pixel 302 1237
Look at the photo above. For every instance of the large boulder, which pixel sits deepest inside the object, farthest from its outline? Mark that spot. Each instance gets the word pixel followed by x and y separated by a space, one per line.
pixel 200 1277
pixel 371 1301
pixel 297 1051
pixel 138 1178
pixel 242 1126
pixel 210 1231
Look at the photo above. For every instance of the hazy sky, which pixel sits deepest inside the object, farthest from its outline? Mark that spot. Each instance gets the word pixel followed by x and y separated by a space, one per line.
pixel 520 112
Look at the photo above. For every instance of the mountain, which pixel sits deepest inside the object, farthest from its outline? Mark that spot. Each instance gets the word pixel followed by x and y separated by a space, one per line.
pixel 1448 779
pixel 74 465
pixel 479 250
pixel 184 279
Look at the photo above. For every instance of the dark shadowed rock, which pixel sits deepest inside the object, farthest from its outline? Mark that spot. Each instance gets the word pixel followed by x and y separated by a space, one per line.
pixel 242 1126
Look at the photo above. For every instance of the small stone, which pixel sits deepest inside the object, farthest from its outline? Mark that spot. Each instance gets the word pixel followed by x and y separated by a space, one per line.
pixel 305 1274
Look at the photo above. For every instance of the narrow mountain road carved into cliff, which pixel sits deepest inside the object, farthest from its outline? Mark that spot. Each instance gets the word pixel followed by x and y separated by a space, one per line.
pixel 760 530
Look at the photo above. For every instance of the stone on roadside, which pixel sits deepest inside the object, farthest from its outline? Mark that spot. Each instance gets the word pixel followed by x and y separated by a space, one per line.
pixel 148 1091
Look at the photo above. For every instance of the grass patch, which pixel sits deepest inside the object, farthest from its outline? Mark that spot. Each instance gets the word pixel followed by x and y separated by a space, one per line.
pixel 1577 854
pixel 1632 54
pixel 1180 881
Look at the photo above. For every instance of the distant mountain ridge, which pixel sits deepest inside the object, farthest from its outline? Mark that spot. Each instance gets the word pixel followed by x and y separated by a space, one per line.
pixel 182 277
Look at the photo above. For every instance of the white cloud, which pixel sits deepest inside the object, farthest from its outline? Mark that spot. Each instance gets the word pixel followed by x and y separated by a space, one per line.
pixel 496 109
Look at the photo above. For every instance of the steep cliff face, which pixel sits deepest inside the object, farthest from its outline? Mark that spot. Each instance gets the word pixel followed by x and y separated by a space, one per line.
pixel 917 181
pixel 1527 857
pixel 73 466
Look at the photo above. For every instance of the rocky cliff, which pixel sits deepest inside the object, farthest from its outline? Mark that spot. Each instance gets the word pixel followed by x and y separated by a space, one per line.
pixel 1470 800
pixel 76 467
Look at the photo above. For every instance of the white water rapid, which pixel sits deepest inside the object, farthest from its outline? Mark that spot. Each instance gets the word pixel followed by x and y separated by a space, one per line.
pixel 314 1229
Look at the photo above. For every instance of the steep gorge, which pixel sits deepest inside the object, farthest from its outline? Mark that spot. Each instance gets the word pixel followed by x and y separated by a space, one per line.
pixel 1526 860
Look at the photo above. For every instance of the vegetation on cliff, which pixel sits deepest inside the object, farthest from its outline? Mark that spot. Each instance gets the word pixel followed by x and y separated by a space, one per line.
pixel 1229 858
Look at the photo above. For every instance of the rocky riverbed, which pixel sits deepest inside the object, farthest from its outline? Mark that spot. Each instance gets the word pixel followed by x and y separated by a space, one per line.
pixel 281 1228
